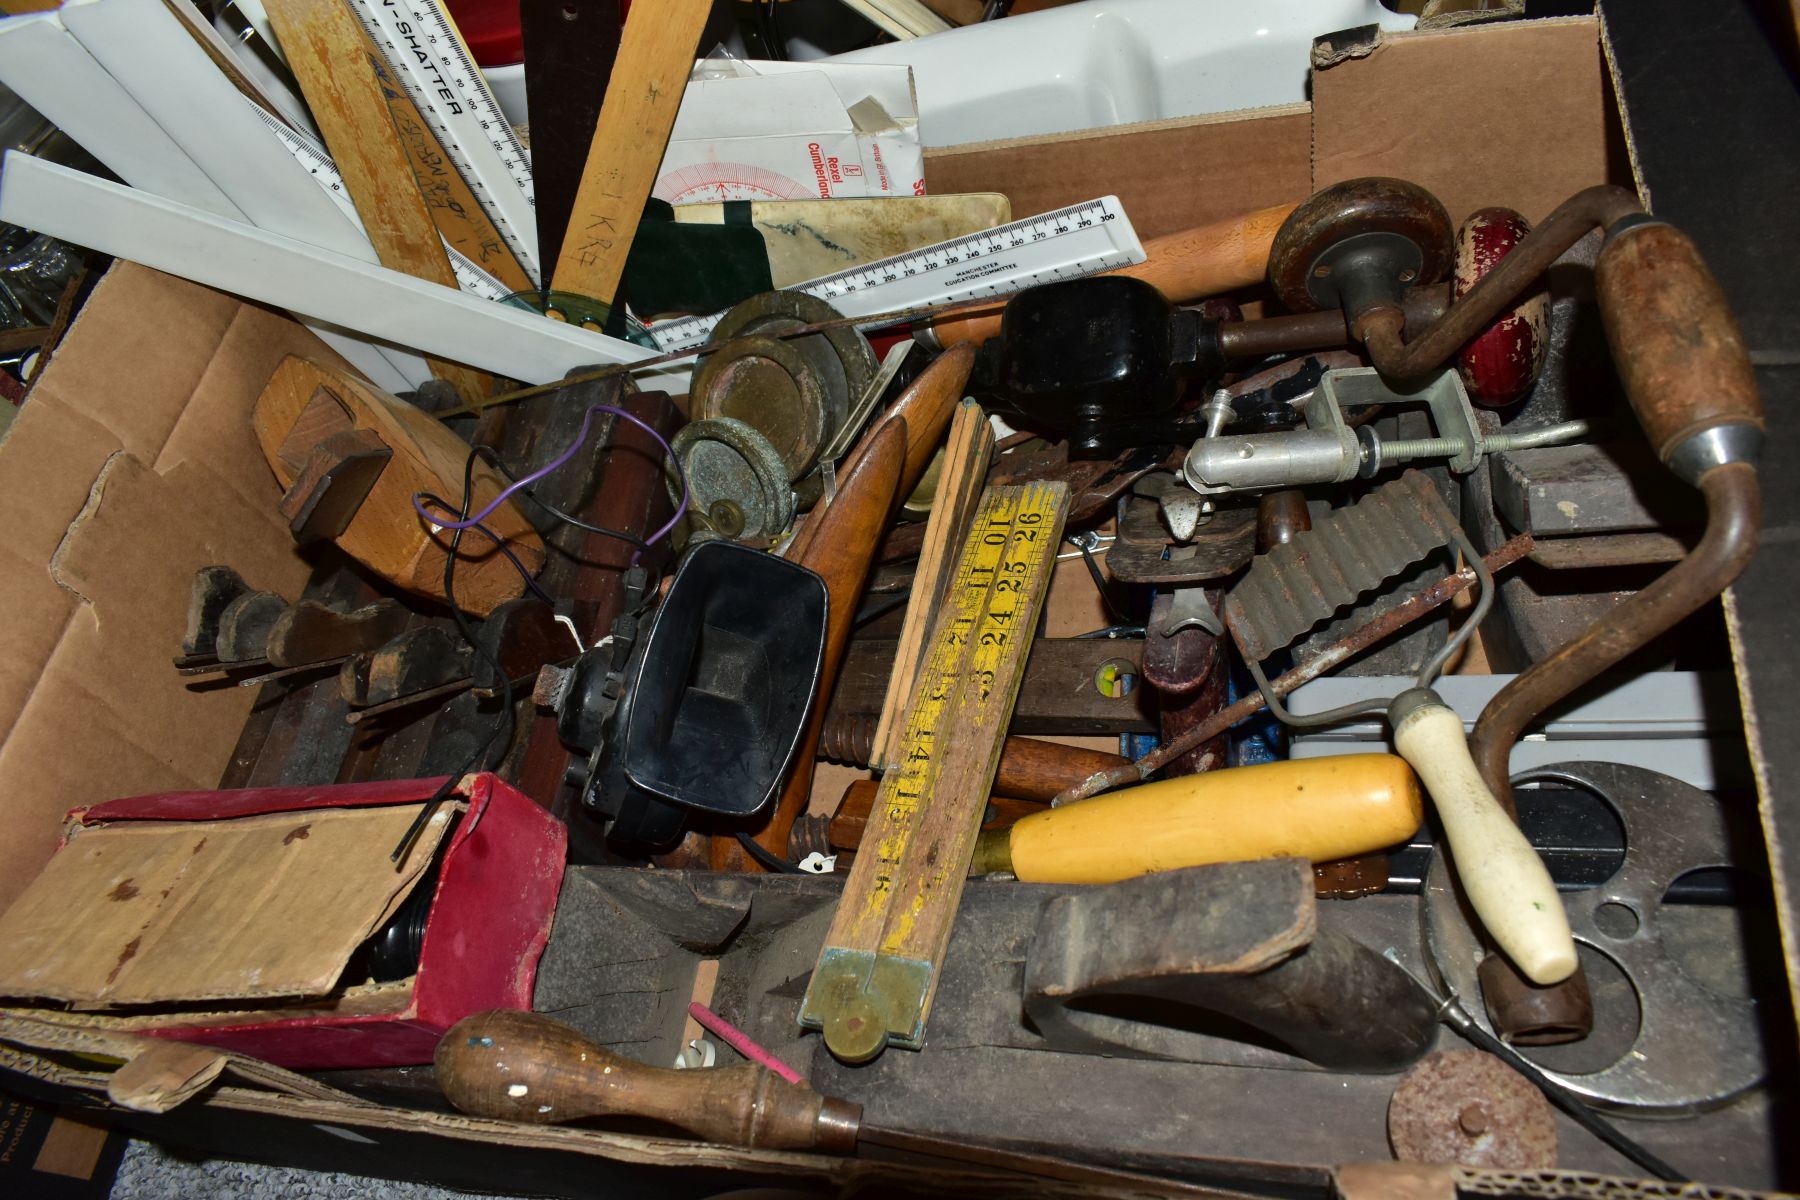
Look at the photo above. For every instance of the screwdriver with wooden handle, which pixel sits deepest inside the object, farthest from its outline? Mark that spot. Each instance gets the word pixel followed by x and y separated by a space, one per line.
pixel 519 1066
pixel 1314 808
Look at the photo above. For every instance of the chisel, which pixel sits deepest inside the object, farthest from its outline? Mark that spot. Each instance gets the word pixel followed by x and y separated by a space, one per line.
pixel 517 1066
pixel 1315 808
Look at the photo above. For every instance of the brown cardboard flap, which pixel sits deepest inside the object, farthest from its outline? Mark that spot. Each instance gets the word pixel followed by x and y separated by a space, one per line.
pixel 131 464
pixel 1512 114
pixel 1170 175
pixel 141 912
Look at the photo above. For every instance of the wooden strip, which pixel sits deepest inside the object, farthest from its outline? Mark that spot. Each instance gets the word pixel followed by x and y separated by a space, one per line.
pixel 458 215
pixel 570 46
pixel 327 51
pixel 959 488
pixel 656 54
pixel 54 73
pixel 155 58
pixel 232 257
pixel 878 969
pixel 953 734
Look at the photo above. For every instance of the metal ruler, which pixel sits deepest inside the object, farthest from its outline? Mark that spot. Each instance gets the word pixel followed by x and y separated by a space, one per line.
pixel 427 53
pixel 1082 239
pixel 880 962
pixel 309 154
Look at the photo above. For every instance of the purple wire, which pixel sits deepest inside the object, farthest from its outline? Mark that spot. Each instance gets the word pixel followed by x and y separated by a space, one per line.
pixel 580 438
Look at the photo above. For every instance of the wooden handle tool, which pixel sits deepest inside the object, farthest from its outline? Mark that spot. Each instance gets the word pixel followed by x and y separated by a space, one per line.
pixel 1186 265
pixel 518 1066
pixel 1505 880
pixel 521 1067
pixel 1314 808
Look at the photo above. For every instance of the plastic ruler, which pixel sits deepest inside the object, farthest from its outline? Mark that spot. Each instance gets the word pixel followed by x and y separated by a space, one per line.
pixel 427 53
pixel 878 968
pixel 318 164
pixel 154 56
pixel 315 283
pixel 1082 239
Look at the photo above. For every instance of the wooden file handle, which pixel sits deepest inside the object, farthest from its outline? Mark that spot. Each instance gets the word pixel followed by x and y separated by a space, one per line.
pixel 1506 882
pixel 518 1066
pixel 1186 265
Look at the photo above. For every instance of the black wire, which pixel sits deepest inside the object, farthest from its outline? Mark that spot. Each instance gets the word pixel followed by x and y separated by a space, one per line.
pixel 537 589
pixel 1106 596
pixel 507 721
pixel 493 459
pixel 880 608
pixel 1114 632
pixel 777 44
pixel 771 861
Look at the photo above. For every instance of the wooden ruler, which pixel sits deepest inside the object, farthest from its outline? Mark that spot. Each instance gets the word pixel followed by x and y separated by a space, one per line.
pixel 880 963
pixel 649 76
pixel 342 79
pixel 961 476
pixel 426 50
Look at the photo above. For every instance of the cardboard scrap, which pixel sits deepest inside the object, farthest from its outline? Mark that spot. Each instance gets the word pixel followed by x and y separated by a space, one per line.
pixel 141 912
pixel 1522 121
pixel 165 1075
pixel 131 465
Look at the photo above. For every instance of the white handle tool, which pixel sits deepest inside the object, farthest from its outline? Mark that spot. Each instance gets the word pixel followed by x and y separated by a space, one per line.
pixel 1501 873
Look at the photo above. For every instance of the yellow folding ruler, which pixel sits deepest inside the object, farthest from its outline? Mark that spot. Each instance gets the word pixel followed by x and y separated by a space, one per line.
pixel 880 963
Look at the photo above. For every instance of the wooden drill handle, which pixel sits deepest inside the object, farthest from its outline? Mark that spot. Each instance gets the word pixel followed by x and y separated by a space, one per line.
pixel 1187 265
pixel 1313 808
pixel 1033 769
pixel 1505 880
pixel 1673 338
pixel 518 1066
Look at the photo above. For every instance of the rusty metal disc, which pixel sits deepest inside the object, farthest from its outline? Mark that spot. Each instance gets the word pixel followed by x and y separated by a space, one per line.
pixel 737 484
pixel 1469 1108
pixel 773 388
pixel 842 357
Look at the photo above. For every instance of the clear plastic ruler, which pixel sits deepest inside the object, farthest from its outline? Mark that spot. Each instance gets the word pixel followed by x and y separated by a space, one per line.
pixel 309 154
pixel 1082 239
pixel 427 53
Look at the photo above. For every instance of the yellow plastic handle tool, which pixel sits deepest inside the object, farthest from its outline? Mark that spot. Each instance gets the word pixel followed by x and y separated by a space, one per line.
pixel 1505 880
pixel 1313 808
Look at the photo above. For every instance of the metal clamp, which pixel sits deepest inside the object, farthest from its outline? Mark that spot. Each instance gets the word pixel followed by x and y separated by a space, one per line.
pixel 1328 450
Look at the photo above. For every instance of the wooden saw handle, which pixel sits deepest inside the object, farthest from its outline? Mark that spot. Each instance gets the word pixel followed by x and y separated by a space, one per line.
pixel 1186 265
pixel 1506 882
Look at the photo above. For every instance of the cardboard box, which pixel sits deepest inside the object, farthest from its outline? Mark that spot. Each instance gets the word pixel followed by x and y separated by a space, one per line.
pixel 256 899
pixel 1412 105
pixel 793 131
